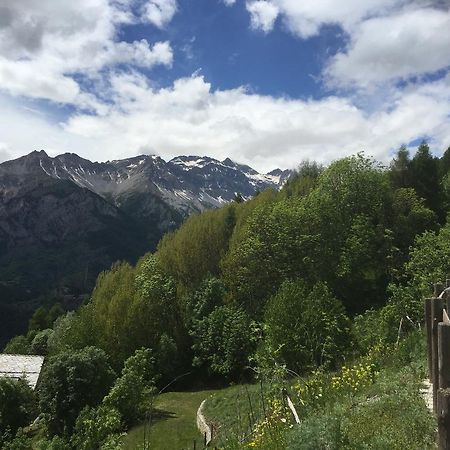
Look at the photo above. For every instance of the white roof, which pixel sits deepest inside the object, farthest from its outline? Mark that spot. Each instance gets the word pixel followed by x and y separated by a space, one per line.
pixel 27 367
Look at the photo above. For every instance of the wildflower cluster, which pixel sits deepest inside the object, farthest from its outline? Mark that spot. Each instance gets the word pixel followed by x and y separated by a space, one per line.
pixel 270 431
pixel 312 391
pixel 353 379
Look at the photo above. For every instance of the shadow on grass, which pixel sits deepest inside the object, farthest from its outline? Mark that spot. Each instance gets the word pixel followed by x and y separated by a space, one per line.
pixel 159 415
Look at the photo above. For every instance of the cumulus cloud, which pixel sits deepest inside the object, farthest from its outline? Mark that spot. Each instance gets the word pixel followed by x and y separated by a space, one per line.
pixel 388 40
pixel 44 44
pixel 229 2
pixel 263 14
pixel 305 18
pixel 259 130
pixel 160 12
pixel 400 46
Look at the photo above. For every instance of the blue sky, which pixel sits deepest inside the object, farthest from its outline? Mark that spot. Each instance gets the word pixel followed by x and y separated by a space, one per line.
pixel 215 39
pixel 265 82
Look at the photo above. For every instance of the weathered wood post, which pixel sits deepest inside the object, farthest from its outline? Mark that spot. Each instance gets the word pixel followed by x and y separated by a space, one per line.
pixel 444 352
pixel 428 327
pixel 443 417
pixel 436 317
pixel 438 288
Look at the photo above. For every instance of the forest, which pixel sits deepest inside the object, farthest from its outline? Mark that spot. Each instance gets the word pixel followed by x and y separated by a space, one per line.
pixel 316 290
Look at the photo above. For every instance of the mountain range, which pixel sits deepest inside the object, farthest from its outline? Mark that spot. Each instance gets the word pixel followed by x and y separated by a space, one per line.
pixel 64 219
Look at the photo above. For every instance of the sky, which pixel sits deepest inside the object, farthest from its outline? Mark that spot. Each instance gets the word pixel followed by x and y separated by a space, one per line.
pixel 268 83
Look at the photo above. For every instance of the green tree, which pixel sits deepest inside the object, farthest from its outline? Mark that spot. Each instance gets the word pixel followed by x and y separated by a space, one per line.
pixel 307 325
pixel 132 392
pixel 39 320
pixel 17 405
pixel 70 381
pixel 400 169
pixel 222 342
pixel 195 250
pixel 425 178
pixel 17 345
pixel 444 163
pixel 94 426
pixel 303 180
pixel 39 344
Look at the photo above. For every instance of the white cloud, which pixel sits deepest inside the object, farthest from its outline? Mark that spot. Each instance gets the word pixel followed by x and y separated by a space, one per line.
pixel 395 47
pixel 44 44
pixel 258 130
pixel 388 40
pixel 262 14
pixel 229 2
pixel 305 18
pixel 159 12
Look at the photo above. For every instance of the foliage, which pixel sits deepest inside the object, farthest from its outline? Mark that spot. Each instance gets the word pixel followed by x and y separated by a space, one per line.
pixel 133 391
pixel 18 345
pixel 222 341
pixel 430 260
pixel 195 250
pixel 43 319
pixel 70 381
pixel 39 344
pixel 395 417
pixel 96 427
pixel 308 324
pixel 17 404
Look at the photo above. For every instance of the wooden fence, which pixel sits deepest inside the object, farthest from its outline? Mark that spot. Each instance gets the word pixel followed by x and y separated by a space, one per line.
pixel 437 311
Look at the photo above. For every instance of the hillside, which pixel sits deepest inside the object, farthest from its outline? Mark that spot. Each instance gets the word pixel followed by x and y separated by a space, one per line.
pixel 65 219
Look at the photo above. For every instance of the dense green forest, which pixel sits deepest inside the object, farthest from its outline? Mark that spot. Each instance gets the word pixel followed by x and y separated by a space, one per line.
pixel 323 281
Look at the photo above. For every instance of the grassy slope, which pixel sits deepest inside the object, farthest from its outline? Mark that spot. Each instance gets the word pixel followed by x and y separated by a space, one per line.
pixel 174 426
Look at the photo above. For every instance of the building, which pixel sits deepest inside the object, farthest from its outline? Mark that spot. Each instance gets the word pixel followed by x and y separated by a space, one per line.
pixel 27 367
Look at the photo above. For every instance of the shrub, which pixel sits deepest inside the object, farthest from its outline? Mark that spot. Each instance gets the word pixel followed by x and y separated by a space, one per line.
pixel 17 404
pixel 70 381
pixel 95 426
pixel 308 324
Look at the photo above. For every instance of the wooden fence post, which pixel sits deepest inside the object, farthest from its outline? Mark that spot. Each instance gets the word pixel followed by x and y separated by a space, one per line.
pixel 438 288
pixel 444 352
pixel 428 327
pixel 443 416
pixel 436 317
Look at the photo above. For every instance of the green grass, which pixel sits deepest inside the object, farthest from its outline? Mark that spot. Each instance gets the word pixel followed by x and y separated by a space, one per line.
pixel 174 423
pixel 233 411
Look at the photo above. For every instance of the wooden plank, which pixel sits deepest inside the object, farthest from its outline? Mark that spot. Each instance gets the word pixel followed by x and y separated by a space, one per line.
pixel 443 416
pixel 444 355
pixel 436 317
pixel 428 326
pixel 445 318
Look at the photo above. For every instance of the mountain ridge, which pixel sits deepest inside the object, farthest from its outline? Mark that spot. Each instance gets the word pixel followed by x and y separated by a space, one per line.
pixel 64 219
pixel 189 183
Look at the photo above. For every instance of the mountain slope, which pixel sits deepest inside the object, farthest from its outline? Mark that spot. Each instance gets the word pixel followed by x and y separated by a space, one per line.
pixel 64 219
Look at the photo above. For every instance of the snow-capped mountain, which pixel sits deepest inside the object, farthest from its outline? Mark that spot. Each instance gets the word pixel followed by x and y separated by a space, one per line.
pixel 186 183
pixel 64 219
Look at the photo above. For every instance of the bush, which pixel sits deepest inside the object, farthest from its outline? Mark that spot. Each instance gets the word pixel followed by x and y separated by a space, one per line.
pixel 39 345
pixel 18 345
pixel 308 325
pixel 389 414
pixel 222 341
pixel 95 426
pixel 70 381
pixel 134 387
pixel 17 404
